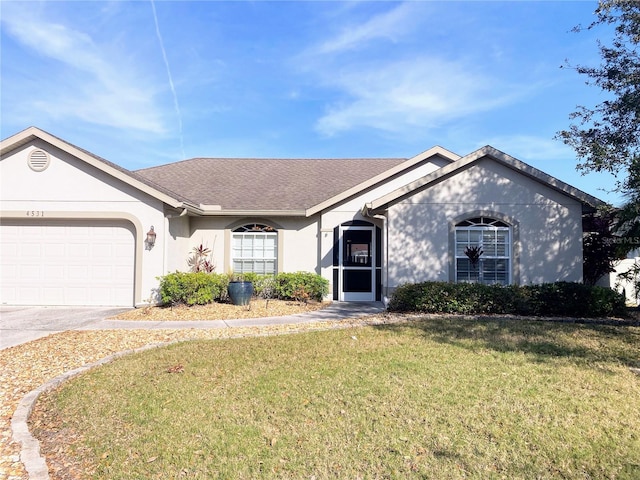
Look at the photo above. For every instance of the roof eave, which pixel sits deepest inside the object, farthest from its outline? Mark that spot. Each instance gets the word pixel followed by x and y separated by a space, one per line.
pixel 402 167
pixel 32 133
pixel 589 202
pixel 206 210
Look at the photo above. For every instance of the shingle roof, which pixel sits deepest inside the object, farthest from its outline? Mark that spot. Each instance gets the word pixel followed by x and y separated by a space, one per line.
pixel 265 184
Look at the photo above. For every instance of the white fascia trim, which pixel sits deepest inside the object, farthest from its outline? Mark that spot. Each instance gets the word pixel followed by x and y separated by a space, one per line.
pixel 539 175
pixel 381 203
pixel 30 133
pixel 251 213
pixel 406 165
pixel 374 207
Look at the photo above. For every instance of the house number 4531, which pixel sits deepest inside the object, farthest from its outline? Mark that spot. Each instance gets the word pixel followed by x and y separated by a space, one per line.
pixel 35 213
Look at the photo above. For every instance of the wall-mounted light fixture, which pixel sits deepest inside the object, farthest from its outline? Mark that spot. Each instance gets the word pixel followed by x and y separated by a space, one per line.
pixel 151 238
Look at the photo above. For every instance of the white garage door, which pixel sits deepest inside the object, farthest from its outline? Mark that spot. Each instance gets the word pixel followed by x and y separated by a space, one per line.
pixel 66 263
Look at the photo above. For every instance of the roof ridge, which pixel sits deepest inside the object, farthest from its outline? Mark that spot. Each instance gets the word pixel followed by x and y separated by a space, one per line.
pixel 278 159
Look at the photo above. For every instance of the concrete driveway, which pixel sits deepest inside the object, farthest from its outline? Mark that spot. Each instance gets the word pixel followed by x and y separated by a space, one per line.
pixel 23 324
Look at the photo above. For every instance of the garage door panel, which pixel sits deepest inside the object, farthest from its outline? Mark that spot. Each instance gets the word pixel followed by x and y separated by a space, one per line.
pixel 29 271
pixel 29 249
pixel 103 273
pixel 51 294
pixel 67 263
pixel 78 274
pixel 79 251
pixel 54 272
pixel 10 250
pixel 54 250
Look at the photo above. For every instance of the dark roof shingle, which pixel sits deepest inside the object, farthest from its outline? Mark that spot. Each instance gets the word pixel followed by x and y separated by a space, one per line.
pixel 265 184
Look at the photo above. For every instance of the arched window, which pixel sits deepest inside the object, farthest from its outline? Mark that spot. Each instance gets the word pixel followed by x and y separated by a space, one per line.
pixel 254 249
pixel 483 251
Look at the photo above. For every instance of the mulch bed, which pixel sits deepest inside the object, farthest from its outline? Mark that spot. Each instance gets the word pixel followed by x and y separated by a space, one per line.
pixel 222 311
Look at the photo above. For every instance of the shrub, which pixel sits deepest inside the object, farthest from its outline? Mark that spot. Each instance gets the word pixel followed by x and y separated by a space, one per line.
pixel 549 299
pixel 192 288
pixel 301 286
pixel 575 300
pixel 199 288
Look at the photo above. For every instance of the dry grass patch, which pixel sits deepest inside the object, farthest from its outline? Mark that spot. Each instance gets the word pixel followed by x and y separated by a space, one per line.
pixel 439 398
pixel 223 311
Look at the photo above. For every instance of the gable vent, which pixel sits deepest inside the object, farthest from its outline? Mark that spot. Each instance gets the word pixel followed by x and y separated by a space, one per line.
pixel 38 160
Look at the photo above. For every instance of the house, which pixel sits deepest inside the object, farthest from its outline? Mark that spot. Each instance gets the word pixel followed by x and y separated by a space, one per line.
pixel 621 284
pixel 73 226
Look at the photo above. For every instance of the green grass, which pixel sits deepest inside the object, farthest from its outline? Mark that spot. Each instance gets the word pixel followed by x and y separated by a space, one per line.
pixel 437 399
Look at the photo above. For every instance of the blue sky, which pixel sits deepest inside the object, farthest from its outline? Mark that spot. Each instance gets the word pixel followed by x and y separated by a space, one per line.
pixel 144 83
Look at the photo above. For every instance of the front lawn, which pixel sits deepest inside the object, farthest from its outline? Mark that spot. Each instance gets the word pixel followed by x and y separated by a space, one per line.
pixel 443 398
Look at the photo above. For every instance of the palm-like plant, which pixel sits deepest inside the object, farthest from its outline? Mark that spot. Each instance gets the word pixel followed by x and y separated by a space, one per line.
pixel 473 253
pixel 200 260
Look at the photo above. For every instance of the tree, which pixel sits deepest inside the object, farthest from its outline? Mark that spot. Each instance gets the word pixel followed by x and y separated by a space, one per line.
pixel 600 247
pixel 607 136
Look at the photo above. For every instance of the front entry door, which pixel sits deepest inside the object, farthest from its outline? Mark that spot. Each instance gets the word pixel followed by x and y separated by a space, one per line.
pixel 357 269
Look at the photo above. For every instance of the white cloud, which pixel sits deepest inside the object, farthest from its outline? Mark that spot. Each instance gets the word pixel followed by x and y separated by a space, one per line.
pixel 99 87
pixel 404 84
pixel 389 25
pixel 422 92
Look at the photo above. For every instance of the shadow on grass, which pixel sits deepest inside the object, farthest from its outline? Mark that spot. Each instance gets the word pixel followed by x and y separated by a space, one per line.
pixel 542 339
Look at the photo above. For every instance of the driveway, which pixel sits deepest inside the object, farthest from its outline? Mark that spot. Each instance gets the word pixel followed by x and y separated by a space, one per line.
pixel 23 324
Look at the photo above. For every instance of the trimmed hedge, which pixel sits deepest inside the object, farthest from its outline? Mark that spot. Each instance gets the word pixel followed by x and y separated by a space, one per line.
pixel 193 288
pixel 199 288
pixel 548 299
pixel 301 286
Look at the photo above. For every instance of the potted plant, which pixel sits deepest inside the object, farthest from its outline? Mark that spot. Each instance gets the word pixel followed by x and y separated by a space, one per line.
pixel 240 291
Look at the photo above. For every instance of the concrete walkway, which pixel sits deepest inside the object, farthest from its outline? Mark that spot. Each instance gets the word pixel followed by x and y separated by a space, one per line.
pixel 24 324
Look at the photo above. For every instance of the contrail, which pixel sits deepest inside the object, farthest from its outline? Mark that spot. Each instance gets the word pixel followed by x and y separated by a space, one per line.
pixel 173 89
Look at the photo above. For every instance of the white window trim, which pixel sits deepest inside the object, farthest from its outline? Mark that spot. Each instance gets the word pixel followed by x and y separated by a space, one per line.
pixel 487 227
pixel 274 259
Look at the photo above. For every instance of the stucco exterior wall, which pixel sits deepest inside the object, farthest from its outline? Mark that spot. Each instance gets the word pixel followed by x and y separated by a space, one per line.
pixel 417 235
pixel 350 210
pixel 178 241
pixel 297 240
pixel 547 226
pixel 71 189
pixel 305 244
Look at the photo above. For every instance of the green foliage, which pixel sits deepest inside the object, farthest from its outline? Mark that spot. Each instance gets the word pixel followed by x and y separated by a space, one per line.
pixel 199 288
pixel 600 246
pixel 301 286
pixel 192 288
pixel 245 277
pixel 607 137
pixel 549 299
